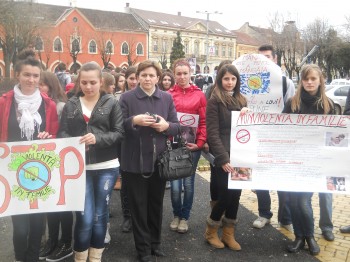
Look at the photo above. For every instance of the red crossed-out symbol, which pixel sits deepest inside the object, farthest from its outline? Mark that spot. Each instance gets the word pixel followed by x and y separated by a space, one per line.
pixel 187 120
pixel 243 136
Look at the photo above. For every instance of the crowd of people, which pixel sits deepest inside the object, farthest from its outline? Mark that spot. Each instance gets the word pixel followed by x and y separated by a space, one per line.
pixel 112 113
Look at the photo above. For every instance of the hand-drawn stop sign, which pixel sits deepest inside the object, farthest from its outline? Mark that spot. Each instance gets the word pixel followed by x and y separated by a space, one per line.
pixel 187 120
pixel 243 136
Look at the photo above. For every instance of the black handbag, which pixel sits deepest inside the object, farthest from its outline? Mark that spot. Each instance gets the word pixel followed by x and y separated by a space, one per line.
pixel 176 163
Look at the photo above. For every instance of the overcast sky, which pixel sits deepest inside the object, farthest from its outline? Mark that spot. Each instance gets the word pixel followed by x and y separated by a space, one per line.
pixel 234 13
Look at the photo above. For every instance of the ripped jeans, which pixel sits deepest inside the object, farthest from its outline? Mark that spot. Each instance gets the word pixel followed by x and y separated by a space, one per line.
pixel 91 224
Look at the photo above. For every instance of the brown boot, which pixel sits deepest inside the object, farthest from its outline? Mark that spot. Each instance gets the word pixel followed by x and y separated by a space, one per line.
pixel 95 254
pixel 211 234
pixel 81 256
pixel 118 184
pixel 228 234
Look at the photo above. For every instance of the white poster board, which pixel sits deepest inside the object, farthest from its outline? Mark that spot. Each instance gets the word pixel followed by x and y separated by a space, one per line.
pixel 290 152
pixel 261 83
pixel 42 176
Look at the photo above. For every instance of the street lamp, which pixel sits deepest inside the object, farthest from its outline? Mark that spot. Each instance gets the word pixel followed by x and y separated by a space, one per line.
pixel 207 37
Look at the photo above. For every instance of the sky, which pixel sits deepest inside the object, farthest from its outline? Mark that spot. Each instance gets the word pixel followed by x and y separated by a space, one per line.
pixel 234 13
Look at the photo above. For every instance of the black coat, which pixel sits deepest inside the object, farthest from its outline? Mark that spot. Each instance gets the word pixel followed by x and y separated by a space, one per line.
pixel 135 102
pixel 106 123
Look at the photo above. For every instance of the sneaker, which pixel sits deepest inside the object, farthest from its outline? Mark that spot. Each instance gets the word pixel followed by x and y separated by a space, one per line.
pixel 108 236
pixel 47 249
pixel 260 222
pixel 183 226
pixel 174 224
pixel 287 227
pixel 167 185
pixel 61 252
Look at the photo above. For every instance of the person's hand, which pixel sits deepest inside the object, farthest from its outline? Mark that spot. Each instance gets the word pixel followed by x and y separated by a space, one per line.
pixel 88 139
pixel 143 120
pixel 205 148
pixel 192 146
pixel 227 168
pixel 44 135
pixel 161 125
pixel 244 110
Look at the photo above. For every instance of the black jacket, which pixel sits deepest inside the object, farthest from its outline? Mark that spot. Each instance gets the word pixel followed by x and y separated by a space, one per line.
pixel 106 123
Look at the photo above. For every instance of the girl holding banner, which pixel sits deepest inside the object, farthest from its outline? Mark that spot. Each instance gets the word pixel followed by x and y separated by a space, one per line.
pixel 226 97
pixel 310 98
pixel 27 115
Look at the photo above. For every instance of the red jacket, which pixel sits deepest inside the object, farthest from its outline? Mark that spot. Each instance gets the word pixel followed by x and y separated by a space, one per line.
pixel 192 100
pixel 5 107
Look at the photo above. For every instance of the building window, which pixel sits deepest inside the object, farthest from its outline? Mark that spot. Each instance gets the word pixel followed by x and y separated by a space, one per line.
pixel 155 45
pixel 216 50
pixel 75 47
pixel 125 49
pixel 39 45
pixel 186 48
pixel 139 49
pixel 196 49
pixel 57 45
pixel 230 51
pixel 109 48
pixel 92 47
pixel 164 46
pixel 223 51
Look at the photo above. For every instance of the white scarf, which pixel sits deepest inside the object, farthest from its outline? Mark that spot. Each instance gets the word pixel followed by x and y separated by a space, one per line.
pixel 28 106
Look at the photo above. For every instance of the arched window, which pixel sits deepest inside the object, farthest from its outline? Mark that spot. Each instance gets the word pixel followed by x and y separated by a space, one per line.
pixel 92 47
pixel 125 49
pixel 57 45
pixel 109 47
pixel 75 48
pixel 139 49
pixel 39 45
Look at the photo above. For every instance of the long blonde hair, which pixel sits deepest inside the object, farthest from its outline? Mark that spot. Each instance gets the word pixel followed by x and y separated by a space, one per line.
pixel 323 101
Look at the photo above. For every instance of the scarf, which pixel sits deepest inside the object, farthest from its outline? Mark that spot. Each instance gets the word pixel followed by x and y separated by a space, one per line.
pixel 28 106
pixel 309 99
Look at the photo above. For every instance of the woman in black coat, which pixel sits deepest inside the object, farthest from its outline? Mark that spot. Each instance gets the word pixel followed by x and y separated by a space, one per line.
pixel 149 117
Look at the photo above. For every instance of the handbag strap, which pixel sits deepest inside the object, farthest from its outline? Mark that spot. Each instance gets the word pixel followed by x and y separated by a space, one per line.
pixel 153 157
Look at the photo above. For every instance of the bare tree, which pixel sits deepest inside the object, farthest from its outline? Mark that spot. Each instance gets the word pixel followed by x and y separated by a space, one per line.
pixel 18 25
pixel 104 43
pixel 130 48
pixel 163 61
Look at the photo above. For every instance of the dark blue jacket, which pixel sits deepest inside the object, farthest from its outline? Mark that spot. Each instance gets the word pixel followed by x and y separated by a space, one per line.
pixel 135 102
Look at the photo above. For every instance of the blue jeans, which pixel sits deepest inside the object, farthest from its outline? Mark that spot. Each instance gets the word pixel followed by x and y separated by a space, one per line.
pixel 325 200
pixel 91 224
pixel 302 214
pixel 183 209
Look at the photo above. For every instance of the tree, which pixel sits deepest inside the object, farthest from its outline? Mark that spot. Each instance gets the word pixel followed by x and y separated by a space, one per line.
pixel 17 29
pixel 105 47
pixel 177 50
pixel 163 61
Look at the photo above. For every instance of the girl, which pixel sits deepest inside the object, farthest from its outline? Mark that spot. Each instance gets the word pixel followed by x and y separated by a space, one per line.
pixel 96 117
pixel 167 81
pixel 226 97
pixel 310 98
pixel 120 85
pixel 27 115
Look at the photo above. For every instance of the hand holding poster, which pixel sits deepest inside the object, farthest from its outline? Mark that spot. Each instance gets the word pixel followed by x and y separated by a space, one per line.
pixel 42 176
pixel 290 152
pixel 261 83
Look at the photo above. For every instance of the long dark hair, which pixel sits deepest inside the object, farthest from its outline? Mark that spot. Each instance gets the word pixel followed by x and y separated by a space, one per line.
pixel 237 99
pixel 129 71
pixel 172 79
pixel 55 89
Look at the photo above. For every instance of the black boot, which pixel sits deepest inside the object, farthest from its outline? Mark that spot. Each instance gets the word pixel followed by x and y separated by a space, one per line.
pixel 298 244
pixel 314 249
pixel 127 224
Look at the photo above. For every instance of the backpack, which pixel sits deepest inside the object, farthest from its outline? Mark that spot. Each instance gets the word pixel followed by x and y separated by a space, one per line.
pixel 284 84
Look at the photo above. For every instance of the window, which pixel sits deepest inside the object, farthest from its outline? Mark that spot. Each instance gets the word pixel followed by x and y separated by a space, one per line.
pixel 216 50
pixel 164 45
pixel 196 49
pixel 39 45
pixel 230 51
pixel 125 49
pixel 92 47
pixel 139 49
pixel 186 48
pixel 57 45
pixel 109 48
pixel 342 91
pixel 223 51
pixel 75 47
pixel 155 45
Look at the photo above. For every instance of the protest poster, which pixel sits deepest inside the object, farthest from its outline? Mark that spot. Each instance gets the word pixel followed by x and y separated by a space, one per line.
pixel 42 176
pixel 188 126
pixel 261 83
pixel 290 152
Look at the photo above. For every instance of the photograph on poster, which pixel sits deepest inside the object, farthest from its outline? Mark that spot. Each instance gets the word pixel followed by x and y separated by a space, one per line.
pixel 242 174
pixel 336 183
pixel 336 139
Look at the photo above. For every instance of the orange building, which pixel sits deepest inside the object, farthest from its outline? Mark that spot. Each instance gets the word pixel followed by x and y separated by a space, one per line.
pixel 112 39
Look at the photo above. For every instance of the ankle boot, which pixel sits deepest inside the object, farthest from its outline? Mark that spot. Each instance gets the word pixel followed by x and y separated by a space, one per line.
pixel 95 254
pixel 314 249
pixel 298 244
pixel 228 234
pixel 211 233
pixel 81 256
pixel 127 224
